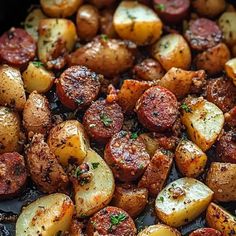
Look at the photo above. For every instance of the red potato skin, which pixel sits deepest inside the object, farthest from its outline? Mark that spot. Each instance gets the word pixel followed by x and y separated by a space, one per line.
pixel 157 109
pixel 172 11
pixel 100 223
pixel 206 232
pixel 13 174
pixel 126 157
pixel 17 47
pixel 94 122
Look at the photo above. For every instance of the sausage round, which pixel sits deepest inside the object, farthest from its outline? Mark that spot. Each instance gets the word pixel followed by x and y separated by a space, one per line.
pixel 103 119
pixel 226 147
pixel 206 232
pixel 203 34
pixel 17 47
pixel 172 11
pixel 222 93
pixel 157 109
pixel 12 174
pixel 111 221
pixel 126 156
pixel 77 87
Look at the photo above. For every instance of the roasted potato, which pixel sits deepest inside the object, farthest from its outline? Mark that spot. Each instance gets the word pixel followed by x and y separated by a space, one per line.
pixel 87 22
pixel 12 91
pixel 31 23
pixel 130 198
pixel 36 114
pixel 227 23
pixel 46 216
pixel 218 218
pixel 150 142
pixel 203 120
pixel 159 230
pixel 213 59
pixel 181 82
pixel 172 50
pixel 10 134
pixel 190 159
pixel 61 8
pixel 137 22
pixel 182 201
pixel 37 78
pixel 100 55
pixel 69 142
pixel 230 69
pixel 57 37
pixel 93 196
pixel 221 178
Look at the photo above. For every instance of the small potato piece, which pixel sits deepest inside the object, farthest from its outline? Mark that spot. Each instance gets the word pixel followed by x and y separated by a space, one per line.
pixel 31 23
pixel 12 91
pixel 137 22
pixel 159 230
pixel 69 142
pixel 130 92
pixel 9 131
pixel 60 8
pixel 190 159
pixel 203 120
pixel 46 216
pixel 221 178
pixel 36 114
pixel 37 78
pixel 209 8
pixel 57 37
pixel 213 59
pixel 227 23
pixel 218 218
pixel 150 142
pixel 87 22
pixel 172 50
pixel 182 82
pixel 130 198
pixel 93 196
pixel 182 201
pixel 230 68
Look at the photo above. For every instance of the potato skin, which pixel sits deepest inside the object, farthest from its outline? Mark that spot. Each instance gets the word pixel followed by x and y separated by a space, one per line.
pixel 221 178
pixel 36 114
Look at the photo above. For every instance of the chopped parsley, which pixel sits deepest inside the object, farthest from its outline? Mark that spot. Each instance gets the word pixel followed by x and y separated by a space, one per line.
pixel 78 172
pixel 160 7
pixel 95 165
pixel 185 107
pixel 131 17
pixel 134 135
pixel 106 120
pixel 117 219
pixel 79 101
pixel 161 199
pixel 37 63
pixel 104 37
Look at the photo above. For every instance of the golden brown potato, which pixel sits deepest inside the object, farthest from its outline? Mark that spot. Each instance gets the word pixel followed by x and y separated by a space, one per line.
pixel 221 178
pixel 130 198
pixel 100 55
pixel 36 114
pixel 150 142
pixel 230 69
pixel 106 23
pixel 87 22
pixel 102 3
pixel 12 91
pixel 213 59
pixel 172 50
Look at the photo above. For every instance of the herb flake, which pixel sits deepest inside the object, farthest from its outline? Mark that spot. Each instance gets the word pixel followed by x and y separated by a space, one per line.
pixel 95 165
pixel 160 7
pixel 106 120
pixel 161 199
pixel 134 135
pixel 117 219
pixel 37 64
pixel 185 107
pixel 104 37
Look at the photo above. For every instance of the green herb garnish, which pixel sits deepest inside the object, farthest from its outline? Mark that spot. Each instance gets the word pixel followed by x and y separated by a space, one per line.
pixel 134 135
pixel 131 17
pixel 37 64
pixel 161 199
pixel 106 120
pixel 95 165
pixel 185 107
pixel 117 219
pixel 104 37
pixel 160 7
pixel 78 172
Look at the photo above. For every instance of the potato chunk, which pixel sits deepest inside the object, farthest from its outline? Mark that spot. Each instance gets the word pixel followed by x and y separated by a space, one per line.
pixel 230 68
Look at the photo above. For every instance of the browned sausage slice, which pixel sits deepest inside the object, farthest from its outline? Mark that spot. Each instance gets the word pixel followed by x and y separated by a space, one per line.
pixel 203 34
pixel 77 87
pixel 172 11
pixel 12 174
pixel 17 47
pixel 126 156
pixel 111 221
pixel 103 119
pixel 157 109
pixel 206 232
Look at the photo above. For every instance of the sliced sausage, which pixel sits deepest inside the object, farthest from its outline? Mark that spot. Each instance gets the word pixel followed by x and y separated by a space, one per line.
pixel 206 232
pixel 12 174
pixel 103 119
pixel 226 147
pixel 222 93
pixel 172 11
pixel 126 156
pixel 111 221
pixel 77 87
pixel 203 34
pixel 17 47
pixel 157 109
pixel 44 168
